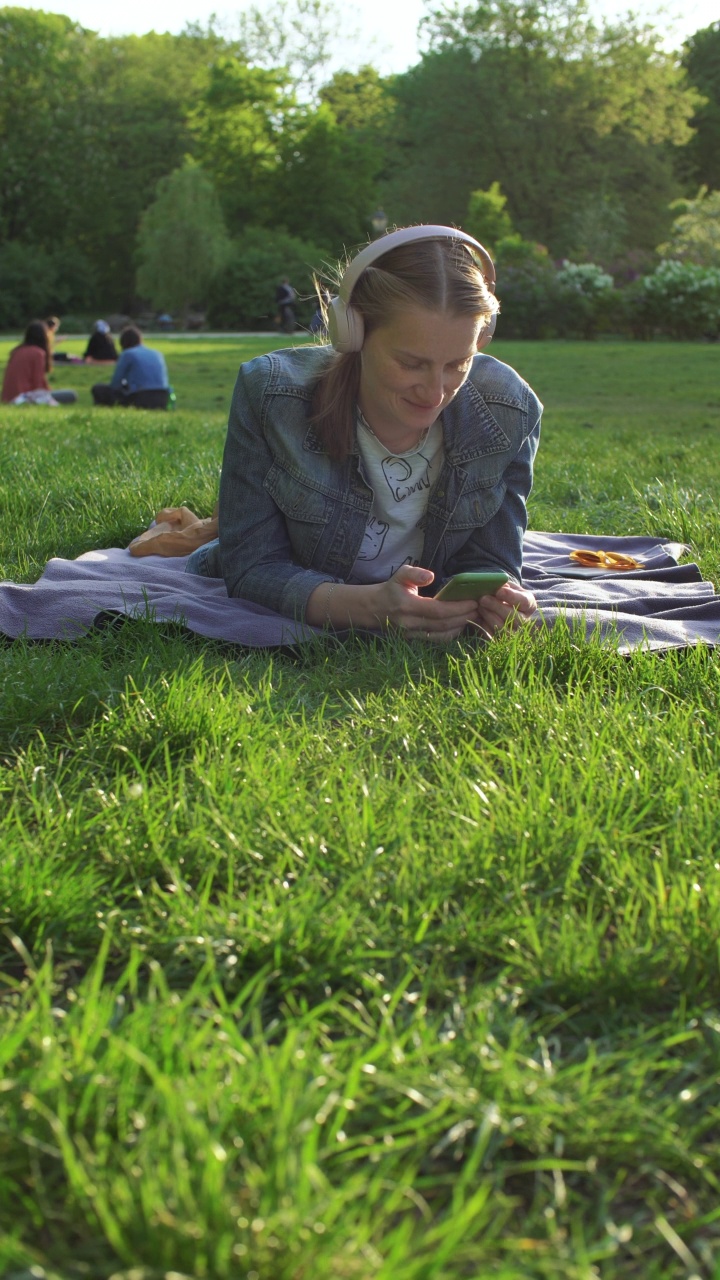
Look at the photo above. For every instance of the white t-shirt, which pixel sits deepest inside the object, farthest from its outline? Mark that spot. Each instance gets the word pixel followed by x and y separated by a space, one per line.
pixel 401 483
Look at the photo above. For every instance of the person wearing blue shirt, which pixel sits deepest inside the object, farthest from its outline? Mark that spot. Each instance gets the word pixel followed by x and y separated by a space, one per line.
pixel 140 377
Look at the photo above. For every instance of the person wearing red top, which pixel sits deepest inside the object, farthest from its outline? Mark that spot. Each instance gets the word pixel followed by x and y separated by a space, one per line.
pixel 26 368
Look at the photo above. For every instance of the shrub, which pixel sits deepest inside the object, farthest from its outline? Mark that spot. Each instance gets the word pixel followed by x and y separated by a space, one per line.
pixel 525 275
pixel 243 294
pixel 36 283
pixel 584 298
pixel 680 299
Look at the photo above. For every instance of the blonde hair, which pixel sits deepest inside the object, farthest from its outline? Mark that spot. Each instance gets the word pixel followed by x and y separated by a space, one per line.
pixel 438 275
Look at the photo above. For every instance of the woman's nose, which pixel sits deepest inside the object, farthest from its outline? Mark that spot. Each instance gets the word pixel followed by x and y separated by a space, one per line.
pixel 433 388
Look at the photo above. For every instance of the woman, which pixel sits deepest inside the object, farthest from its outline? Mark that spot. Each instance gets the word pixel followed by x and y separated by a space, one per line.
pixel 26 370
pixel 100 348
pixel 355 482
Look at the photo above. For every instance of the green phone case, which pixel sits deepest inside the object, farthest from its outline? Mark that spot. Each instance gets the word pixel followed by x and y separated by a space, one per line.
pixel 471 586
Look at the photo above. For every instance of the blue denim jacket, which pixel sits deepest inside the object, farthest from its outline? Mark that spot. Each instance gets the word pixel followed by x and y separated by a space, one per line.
pixel 292 518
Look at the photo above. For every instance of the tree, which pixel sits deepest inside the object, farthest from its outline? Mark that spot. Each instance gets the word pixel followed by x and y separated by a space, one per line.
pixel 239 125
pixel 701 58
pixel 44 62
pixel 487 218
pixel 295 35
pixel 182 241
pixel 142 92
pixel 538 98
pixel 243 294
pixel 695 234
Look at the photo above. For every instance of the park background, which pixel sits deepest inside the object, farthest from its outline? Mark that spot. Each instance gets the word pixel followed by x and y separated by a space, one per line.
pixel 371 961
pixel 188 172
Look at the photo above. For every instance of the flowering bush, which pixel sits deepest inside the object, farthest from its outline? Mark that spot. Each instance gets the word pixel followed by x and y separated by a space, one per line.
pixel 680 299
pixel 585 298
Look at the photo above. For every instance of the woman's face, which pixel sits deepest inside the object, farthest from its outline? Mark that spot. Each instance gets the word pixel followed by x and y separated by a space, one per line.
pixel 412 367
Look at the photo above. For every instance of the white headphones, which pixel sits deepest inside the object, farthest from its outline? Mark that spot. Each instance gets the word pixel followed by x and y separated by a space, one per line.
pixel 346 328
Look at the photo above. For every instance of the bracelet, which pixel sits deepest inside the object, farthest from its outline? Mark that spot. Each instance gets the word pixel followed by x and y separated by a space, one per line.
pixel 328 619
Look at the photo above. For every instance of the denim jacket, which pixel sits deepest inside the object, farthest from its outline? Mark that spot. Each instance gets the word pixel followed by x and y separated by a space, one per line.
pixel 292 518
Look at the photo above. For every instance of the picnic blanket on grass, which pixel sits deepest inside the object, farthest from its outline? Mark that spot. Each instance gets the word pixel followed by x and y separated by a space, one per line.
pixel 663 606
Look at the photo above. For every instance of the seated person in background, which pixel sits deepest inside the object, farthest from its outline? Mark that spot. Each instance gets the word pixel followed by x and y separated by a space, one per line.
pixel 52 324
pixel 28 366
pixel 100 348
pixel 139 378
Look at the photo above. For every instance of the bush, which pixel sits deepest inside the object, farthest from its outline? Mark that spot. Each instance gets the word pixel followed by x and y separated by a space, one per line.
pixel 539 301
pixel 584 297
pixel 36 283
pixel 525 275
pixel 679 299
pixel 243 294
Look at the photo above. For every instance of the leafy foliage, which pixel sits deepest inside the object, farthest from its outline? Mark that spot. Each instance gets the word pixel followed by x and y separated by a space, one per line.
pixel 680 299
pixel 487 218
pixel 539 99
pixel 583 130
pixel 182 242
pixel 242 296
pixel 695 233
pixel 701 58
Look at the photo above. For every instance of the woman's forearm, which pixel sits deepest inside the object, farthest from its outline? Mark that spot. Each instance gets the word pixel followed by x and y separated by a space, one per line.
pixel 338 605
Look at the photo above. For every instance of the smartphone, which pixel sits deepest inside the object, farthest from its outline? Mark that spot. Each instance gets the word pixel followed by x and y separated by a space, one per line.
pixel 471 586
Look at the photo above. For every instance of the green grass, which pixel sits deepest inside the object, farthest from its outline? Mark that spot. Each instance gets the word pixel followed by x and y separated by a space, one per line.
pixel 380 962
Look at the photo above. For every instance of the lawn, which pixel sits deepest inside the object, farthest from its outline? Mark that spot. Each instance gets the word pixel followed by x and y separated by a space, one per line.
pixel 377 963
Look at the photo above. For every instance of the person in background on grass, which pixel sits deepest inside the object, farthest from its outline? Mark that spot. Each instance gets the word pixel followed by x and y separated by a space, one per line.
pixel 356 480
pixel 100 348
pixel 27 369
pixel 140 376
pixel 285 297
pixel 52 324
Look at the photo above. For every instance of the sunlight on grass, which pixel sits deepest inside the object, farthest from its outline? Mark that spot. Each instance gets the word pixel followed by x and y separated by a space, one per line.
pixel 375 961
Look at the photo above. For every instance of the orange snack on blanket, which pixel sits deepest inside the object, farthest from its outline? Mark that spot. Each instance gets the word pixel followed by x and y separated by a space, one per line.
pixel 605 560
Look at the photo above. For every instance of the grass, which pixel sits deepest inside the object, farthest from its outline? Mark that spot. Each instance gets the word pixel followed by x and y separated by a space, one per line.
pixel 377 962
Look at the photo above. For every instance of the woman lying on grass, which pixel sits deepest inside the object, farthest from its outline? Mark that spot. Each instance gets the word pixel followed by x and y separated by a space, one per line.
pixel 354 479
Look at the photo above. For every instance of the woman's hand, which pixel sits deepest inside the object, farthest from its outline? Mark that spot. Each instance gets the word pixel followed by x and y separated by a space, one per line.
pixel 423 617
pixel 397 603
pixel 511 606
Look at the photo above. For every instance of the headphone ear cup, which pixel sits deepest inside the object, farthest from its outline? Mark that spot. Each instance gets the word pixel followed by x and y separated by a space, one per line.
pixel 346 330
pixel 486 335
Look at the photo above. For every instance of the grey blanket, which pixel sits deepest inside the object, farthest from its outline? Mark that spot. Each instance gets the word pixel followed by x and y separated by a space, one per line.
pixel 664 606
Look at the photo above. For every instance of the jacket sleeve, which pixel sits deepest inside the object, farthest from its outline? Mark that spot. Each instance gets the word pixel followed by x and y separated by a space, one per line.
pixel 498 544
pixel 255 553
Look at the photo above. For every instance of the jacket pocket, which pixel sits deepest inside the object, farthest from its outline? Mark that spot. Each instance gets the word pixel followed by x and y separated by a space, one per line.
pixel 306 510
pixel 476 506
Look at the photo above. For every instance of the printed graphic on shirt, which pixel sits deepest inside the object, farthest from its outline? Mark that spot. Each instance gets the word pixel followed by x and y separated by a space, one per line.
pixel 408 560
pixel 406 475
pixel 372 544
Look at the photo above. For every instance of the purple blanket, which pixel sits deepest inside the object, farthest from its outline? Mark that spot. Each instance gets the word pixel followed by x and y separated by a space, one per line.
pixel 664 606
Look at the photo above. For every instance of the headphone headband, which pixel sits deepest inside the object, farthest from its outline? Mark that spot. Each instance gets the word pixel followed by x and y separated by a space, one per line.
pixel 345 323
pixel 406 235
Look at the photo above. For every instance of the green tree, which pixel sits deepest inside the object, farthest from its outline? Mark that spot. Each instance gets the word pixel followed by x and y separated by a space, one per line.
pixel 695 233
pixel 487 218
pixel 243 294
pixel 296 35
pixel 44 69
pixel 143 90
pixel 239 124
pixel 182 241
pixel 536 97
pixel 701 57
